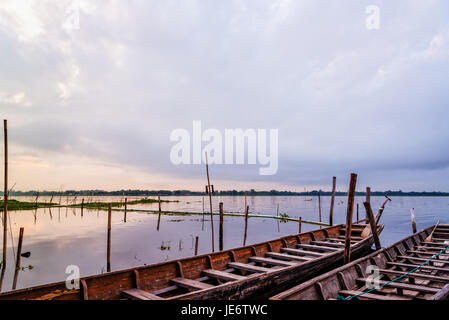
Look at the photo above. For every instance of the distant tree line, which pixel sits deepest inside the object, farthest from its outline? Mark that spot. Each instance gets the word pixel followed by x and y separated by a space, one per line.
pixel 252 192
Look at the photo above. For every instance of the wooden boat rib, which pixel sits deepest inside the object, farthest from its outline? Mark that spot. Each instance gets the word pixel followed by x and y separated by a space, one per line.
pixel 255 271
pixel 396 281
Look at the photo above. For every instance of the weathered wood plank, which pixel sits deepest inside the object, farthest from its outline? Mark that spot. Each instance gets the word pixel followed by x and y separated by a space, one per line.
pixel 272 262
pixel 371 296
pixel 247 267
pixel 415 275
pixel 287 257
pixel 434 249
pixel 412 266
pixel 423 259
pixel 443 294
pixel 191 284
pixel 329 244
pixel 137 294
pixel 301 252
pixel 222 275
pixel 425 253
pixel 317 248
pixel 438 244
pixel 404 286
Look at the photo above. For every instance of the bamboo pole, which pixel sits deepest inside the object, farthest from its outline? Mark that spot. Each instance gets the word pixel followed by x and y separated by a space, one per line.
pixel 350 209
pixel 108 253
pixel 220 232
pixel 368 199
pixel 300 224
pixel 246 224
pixel 373 224
pixel 196 245
pixel 126 208
pixel 358 212
pixel 82 207
pixel 319 206
pixel 160 211
pixel 209 191
pixel 19 253
pixel 331 213
pixel 412 212
pixel 5 193
pixel 202 220
pixel 2 276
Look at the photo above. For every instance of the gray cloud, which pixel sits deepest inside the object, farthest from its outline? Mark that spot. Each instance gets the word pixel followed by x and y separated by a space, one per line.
pixel 343 98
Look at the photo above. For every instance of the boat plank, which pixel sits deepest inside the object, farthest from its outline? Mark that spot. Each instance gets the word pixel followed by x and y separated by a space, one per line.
pixel 415 275
pixel 288 257
pixel 137 294
pixel 248 267
pixel 222 275
pixel 191 284
pixel 423 259
pixel 371 296
pixel 329 244
pixel 272 262
pixel 401 285
pixel 302 252
pixel 317 248
pixel 412 266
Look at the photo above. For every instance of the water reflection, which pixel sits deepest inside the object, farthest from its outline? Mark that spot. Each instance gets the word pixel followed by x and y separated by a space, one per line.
pixel 80 239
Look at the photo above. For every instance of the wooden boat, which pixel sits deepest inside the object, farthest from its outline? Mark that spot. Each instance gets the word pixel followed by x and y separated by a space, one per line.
pixel 428 281
pixel 256 271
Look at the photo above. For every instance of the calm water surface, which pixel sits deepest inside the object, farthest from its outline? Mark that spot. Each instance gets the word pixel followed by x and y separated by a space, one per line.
pixel 61 237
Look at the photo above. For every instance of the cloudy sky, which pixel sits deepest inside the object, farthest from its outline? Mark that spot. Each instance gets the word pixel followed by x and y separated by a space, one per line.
pixel 93 89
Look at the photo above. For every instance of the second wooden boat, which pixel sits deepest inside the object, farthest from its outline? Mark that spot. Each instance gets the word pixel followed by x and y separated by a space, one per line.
pixel 414 268
pixel 255 271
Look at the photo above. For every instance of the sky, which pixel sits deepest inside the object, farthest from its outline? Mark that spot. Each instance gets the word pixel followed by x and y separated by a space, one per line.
pixel 93 89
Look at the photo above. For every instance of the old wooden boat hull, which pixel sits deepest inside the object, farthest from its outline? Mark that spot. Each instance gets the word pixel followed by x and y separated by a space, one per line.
pixel 256 271
pixel 404 270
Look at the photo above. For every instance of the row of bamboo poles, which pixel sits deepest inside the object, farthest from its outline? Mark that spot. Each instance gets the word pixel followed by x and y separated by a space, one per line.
pixel 209 191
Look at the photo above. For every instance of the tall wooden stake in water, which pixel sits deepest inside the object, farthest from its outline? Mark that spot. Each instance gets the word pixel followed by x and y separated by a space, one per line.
pixel 196 245
pixel 368 199
pixel 159 215
pixel 209 191
pixel 82 207
pixel 412 212
pixel 372 221
pixel 331 213
pixel 350 209
pixel 221 227
pixel 319 206
pixel 357 212
pixel 126 208
pixel 202 221
pixel 5 192
pixel 19 253
pixel 300 225
pixel 246 224
pixel 108 253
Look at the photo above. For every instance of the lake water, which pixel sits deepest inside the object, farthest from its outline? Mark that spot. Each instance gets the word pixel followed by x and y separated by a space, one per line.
pixel 61 237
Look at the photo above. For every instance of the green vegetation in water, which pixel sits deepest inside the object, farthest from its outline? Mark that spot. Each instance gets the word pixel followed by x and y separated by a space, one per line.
pixel 118 204
pixel 14 205
pixel 30 267
pixel 284 217
pixel 164 247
